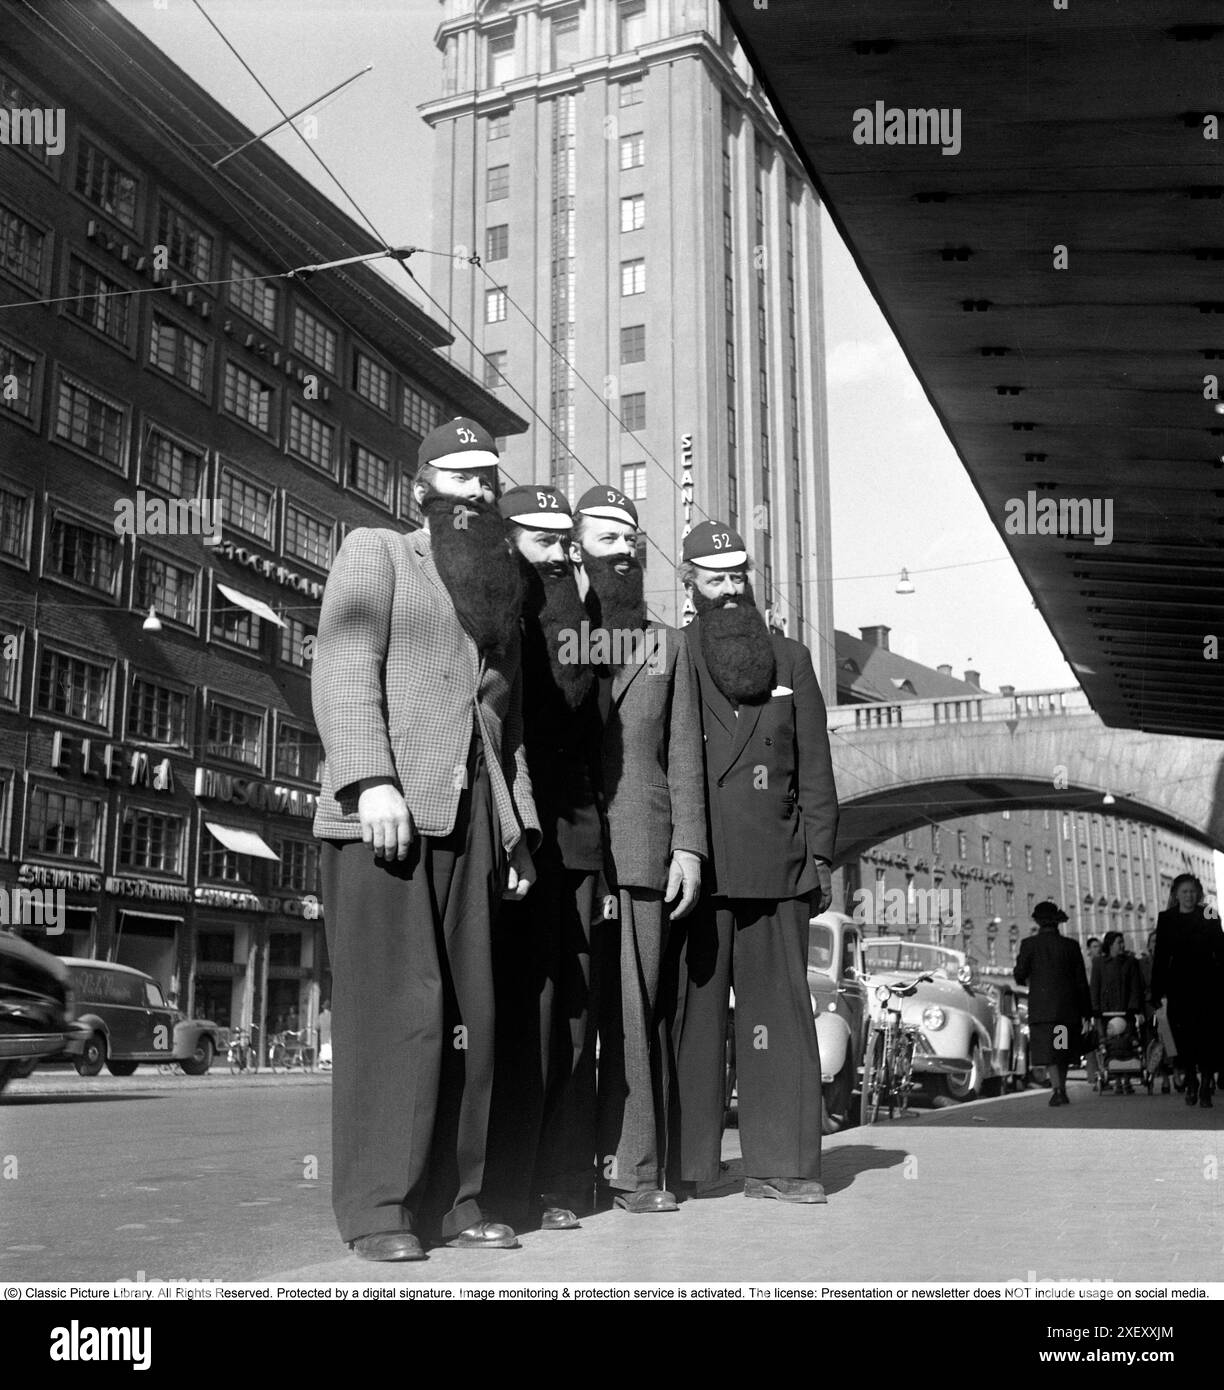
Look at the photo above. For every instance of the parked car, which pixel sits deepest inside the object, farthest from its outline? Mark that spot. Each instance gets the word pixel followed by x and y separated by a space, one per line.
pixel 128 1021
pixel 840 1007
pixel 1011 1031
pixel 957 1053
pixel 35 1009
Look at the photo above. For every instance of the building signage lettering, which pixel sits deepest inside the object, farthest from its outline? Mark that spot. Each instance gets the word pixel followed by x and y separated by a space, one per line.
pixel 260 796
pixel 240 555
pixel 688 611
pixel 105 760
pixel 46 877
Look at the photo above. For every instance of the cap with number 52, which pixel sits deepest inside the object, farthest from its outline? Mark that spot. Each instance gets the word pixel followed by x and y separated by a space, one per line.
pixel 608 504
pixel 715 546
pixel 458 445
pixel 537 506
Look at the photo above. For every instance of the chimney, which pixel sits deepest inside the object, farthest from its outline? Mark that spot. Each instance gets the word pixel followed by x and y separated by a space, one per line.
pixel 1007 690
pixel 876 636
pixel 945 669
pixel 974 678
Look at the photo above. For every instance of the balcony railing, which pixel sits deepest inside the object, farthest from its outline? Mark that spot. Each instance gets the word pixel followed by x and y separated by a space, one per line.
pixel 960 709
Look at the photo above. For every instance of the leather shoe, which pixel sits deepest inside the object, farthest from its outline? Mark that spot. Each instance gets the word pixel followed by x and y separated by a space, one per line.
pixel 559 1219
pixel 648 1199
pixel 484 1235
pixel 786 1189
pixel 1192 1095
pixel 388 1245
pixel 1205 1102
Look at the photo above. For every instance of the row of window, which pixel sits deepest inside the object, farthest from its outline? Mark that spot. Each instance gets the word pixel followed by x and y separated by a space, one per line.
pixel 501 58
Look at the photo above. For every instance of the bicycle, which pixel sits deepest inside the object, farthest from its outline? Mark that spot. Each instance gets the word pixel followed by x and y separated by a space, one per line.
pixel 290 1049
pixel 888 1058
pixel 241 1053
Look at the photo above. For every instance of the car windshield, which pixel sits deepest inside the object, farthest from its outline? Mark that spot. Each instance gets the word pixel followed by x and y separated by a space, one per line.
pixel 820 947
pixel 909 957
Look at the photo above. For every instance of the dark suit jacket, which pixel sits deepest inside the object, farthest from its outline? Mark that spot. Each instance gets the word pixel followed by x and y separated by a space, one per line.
pixel 771 798
pixel 1052 966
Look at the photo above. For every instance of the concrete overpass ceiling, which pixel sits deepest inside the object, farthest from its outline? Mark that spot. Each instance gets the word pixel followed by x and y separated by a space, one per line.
pixel 1080 128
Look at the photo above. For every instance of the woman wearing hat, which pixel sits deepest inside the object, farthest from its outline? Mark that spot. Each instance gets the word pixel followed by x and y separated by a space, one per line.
pixel 1059 1002
pixel 1187 974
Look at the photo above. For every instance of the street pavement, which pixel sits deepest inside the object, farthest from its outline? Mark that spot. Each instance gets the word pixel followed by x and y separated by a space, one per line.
pixel 227 1178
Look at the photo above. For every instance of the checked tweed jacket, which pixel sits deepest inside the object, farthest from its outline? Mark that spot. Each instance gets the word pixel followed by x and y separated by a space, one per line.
pixel 396 685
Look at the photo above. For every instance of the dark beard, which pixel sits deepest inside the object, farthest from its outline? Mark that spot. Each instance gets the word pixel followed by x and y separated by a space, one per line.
pixel 552 609
pixel 737 647
pixel 478 566
pixel 615 601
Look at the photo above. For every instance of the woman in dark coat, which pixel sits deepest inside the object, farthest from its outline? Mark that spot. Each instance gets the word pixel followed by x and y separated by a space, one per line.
pixel 1058 1001
pixel 1116 987
pixel 1188 972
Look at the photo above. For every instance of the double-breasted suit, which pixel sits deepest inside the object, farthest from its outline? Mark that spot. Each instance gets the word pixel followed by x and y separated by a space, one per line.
pixel 772 807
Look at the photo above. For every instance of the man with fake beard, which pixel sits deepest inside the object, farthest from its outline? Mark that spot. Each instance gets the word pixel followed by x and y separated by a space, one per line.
pixel 542 1132
pixel 425 814
pixel 657 839
pixel 773 821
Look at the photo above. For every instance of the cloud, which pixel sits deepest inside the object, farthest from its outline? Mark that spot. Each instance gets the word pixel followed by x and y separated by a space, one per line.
pixel 855 361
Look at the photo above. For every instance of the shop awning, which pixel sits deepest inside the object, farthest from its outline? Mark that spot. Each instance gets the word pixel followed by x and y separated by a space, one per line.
pixel 241 841
pixel 252 605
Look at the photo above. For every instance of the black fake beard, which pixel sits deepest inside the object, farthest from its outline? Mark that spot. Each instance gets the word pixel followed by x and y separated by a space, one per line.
pixel 616 601
pixel 737 646
pixel 479 567
pixel 553 613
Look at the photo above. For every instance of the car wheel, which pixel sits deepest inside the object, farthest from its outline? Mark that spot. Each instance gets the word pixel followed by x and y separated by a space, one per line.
pixel 967 1085
pixel 201 1059
pixel 120 1068
pixel 836 1097
pixel 24 1067
pixel 93 1058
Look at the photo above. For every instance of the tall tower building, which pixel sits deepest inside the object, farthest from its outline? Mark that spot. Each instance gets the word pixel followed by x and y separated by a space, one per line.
pixel 649 277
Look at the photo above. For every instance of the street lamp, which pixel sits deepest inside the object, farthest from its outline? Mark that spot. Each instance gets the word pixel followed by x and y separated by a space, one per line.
pixel 904 586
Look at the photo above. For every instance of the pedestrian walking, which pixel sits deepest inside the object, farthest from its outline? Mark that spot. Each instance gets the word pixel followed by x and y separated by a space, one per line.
pixel 1059 1001
pixel 773 821
pixel 1116 989
pixel 425 813
pixel 324 1026
pixel 1092 1071
pixel 1188 977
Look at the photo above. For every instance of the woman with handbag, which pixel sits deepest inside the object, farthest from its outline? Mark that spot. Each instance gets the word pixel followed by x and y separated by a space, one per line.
pixel 1059 1002
pixel 1187 975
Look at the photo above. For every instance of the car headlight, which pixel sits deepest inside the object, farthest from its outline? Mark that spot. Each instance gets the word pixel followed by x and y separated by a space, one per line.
pixel 933 1018
pixel 882 993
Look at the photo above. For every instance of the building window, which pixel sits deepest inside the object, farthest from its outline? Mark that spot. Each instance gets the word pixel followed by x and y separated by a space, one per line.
pixel 187 246
pixel 501 59
pixel 178 353
pixel 156 713
pixel 249 398
pixel 564 40
pixel 1049 863
pixel 91 422
pixel 419 415
pixel 14 98
pixel 74 688
pixel 12 640
pixel 499 125
pixel 962 844
pixel 494 370
pixel 630 25
pixel 252 294
pixel 497 242
pixel 248 507
pixel 1029 899
pixel 17 381
pixel 82 554
pixel 934 839
pixel 1007 854
pixel 169 465
pixel 298 754
pixel 632 151
pixel 150 841
pixel 633 213
pixel 633 276
pixel 296 642
pixel 372 380
pixel 314 339
pixel 105 183
pixel 369 473
pixel 64 825
pixel 15 516
pixel 21 248
pixel 633 410
pixel 631 92
pixel 170 589
pixel 307 537
pixel 217 862
pixel 633 343
pixel 497 185
pixel 298 867
pixel 495 305
pixel 234 734
pixel 234 624
pixel 633 481
pixel 985 849
pixel 1028 858
pixel 988 899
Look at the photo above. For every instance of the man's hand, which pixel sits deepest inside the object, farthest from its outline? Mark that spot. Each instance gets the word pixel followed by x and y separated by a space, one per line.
pixel 822 894
pixel 386 822
pixel 521 873
pixel 684 877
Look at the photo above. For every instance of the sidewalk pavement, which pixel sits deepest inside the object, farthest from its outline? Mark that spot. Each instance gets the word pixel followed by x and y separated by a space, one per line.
pixel 1121 1188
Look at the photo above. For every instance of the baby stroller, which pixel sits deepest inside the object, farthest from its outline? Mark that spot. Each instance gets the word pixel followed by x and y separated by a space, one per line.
pixel 1121 1056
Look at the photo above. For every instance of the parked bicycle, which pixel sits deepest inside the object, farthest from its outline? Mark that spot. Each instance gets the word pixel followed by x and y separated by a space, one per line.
pixel 241 1053
pixel 888 1058
pixel 289 1050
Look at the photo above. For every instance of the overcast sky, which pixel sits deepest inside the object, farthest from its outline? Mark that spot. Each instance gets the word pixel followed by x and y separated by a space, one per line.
pixel 900 495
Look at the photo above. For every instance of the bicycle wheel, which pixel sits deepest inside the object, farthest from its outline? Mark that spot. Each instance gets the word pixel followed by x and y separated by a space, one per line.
pixel 903 1075
pixel 874 1078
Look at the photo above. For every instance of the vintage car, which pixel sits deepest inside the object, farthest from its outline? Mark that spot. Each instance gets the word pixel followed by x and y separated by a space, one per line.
pixel 957 1054
pixel 1011 1031
pixel 35 1008
pixel 839 1005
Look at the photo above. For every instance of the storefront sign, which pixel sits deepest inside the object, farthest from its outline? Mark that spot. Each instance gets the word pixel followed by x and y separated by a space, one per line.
pixel 91 758
pixel 688 611
pixel 290 579
pixel 260 796
pixel 147 888
pixel 46 877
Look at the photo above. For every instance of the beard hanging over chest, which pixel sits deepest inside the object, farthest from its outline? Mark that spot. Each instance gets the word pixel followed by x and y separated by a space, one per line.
pixel 552 614
pixel 616 601
pixel 479 568
pixel 737 647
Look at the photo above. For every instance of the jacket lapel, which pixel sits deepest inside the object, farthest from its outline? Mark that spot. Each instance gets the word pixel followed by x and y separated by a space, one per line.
pixel 749 718
pixel 419 541
pixel 626 675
